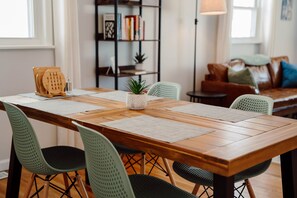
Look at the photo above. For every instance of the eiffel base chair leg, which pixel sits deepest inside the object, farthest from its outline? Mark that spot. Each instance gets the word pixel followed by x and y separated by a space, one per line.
pixel 82 187
pixel 142 169
pixel 66 183
pixel 46 187
pixel 250 188
pixel 165 161
pixel 28 190
pixel 195 189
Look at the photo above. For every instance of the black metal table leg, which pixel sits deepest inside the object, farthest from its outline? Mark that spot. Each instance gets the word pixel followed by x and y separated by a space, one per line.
pixel 289 174
pixel 14 175
pixel 223 186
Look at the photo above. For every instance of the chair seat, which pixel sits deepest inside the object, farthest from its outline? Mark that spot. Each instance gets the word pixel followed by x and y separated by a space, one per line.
pixel 205 178
pixel 147 187
pixel 65 158
pixel 126 150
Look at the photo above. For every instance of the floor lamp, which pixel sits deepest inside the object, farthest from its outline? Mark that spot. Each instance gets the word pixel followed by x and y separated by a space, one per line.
pixel 207 7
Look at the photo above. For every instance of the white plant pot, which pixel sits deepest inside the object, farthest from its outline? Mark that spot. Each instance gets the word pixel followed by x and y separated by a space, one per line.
pixel 136 101
pixel 139 66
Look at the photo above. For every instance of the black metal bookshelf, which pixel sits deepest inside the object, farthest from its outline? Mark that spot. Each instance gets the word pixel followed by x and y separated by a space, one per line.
pixel 102 70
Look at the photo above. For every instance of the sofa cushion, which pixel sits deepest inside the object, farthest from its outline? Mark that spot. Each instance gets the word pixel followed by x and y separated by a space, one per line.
pixel 275 70
pixel 218 72
pixel 243 76
pixel 261 76
pixel 255 60
pixel 289 75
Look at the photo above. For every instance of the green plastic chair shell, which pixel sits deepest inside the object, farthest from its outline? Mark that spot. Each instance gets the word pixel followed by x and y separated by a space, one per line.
pixel 165 89
pixel 255 103
pixel 25 142
pixel 108 177
pixel 47 161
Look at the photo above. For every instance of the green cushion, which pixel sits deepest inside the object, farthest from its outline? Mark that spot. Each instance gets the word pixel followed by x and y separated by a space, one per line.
pixel 243 76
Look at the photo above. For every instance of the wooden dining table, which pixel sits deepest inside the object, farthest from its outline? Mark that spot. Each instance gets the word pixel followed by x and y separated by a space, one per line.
pixel 225 149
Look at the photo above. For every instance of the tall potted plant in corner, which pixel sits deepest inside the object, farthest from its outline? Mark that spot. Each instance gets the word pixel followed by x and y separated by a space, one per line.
pixel 136 98
pixel 139 59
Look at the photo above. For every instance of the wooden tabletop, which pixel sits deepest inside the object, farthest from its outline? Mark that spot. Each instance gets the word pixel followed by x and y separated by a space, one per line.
pixel 228 149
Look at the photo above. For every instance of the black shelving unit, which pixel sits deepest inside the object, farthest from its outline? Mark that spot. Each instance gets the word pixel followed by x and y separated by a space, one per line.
pixel 102 70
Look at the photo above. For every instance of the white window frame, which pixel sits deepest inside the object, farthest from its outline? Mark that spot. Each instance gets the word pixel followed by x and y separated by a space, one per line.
pixel 43 29
pixel 257 37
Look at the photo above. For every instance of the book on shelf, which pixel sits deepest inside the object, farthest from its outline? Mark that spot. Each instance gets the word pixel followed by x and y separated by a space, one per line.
pixel 135 26
pixel 134 71
pixel 129 27
pixel 109 26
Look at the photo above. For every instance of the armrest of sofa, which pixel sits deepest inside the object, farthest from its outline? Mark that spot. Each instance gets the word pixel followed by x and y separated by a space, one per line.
pixel 232 90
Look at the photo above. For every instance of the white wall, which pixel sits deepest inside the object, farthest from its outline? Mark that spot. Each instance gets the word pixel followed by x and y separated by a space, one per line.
pixel 16 76
pixel 285 34
pixel 178 44
pixel 86 11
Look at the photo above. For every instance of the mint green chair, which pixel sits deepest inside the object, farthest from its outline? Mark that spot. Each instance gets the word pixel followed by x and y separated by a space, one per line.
pixel 255 103
pixel 47 161
pixel 247 102
pixel 108 176
pixel 165 89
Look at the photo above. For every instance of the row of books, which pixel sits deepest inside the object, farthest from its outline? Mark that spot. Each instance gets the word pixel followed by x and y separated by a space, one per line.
pixel 129 27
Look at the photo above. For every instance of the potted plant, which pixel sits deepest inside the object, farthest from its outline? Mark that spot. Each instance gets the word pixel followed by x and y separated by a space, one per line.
pixel 139 59
pixel 136 98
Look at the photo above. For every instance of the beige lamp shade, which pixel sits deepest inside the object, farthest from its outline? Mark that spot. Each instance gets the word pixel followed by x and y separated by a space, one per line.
pixel 213 7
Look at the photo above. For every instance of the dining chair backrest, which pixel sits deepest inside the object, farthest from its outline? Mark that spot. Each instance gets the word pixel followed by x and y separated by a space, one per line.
pixel 166 90
pixel 255 103
pixel 106 172
pixel 25 142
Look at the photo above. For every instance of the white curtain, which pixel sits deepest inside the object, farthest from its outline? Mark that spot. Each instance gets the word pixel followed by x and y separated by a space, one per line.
pixel 67 55
pixel 224 34
pixel 268 8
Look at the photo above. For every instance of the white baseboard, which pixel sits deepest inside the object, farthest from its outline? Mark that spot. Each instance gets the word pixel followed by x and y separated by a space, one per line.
pixel 4 164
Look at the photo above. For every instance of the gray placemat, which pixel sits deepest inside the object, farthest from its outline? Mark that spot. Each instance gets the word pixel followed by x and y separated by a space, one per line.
pixel 215 112
pixel 158 128
pixel 62 107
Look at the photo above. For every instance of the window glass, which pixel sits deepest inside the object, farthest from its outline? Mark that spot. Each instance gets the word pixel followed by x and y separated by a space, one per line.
pixel 245 20
pixel 15 19
pixel 25 23
pixel 244 3
pixel 241 17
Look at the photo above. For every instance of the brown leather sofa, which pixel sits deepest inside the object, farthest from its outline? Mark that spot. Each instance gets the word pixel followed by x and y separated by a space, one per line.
pixel 268 77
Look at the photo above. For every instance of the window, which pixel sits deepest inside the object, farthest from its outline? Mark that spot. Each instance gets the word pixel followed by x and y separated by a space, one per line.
pixel 25 23
pixel 245 20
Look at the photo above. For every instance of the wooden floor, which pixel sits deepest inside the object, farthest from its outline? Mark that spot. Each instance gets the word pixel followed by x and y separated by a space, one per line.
pixel 267 185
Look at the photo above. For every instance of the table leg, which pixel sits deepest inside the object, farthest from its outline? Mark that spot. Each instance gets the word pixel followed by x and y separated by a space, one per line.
pixel 289 174
pixel 223 186
pixel 14 175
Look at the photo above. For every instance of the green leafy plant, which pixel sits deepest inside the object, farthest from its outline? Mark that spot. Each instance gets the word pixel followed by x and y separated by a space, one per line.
pixel 137 87
pixel 139 58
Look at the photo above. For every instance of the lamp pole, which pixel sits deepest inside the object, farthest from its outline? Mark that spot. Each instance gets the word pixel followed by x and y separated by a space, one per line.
pixel 195 43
